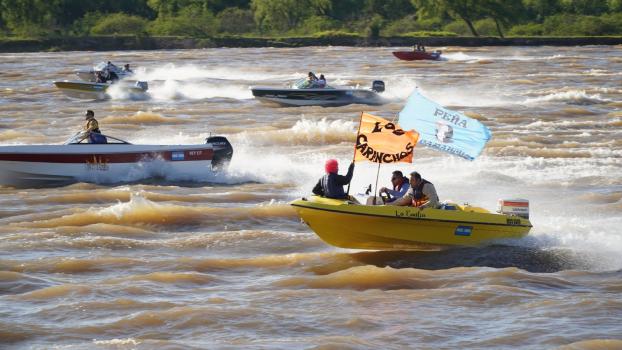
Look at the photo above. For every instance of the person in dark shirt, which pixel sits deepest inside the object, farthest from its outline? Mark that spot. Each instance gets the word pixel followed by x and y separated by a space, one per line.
pixel 331 184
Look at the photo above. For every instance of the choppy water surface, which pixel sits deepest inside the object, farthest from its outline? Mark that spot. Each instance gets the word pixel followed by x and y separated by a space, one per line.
pixel 227 264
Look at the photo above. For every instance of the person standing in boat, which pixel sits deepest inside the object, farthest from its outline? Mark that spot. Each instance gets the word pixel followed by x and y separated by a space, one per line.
pixel 400 187
pixel 91 129
pixel 421 194
pixel 331 184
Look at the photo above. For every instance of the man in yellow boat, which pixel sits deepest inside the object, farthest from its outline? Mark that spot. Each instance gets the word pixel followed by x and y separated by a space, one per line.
pixel 421 194
pixel 331 184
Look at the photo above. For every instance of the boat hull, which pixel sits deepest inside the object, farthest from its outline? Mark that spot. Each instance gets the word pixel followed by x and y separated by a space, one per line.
pixel 50 165
pixel 417 55
pixel 94 91
pixel 317 97
pixel 388 227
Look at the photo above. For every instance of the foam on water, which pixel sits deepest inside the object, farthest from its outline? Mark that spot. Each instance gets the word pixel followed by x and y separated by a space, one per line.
pixel 193 72
pixel 579 97
pixel 176 90
pixel 461 56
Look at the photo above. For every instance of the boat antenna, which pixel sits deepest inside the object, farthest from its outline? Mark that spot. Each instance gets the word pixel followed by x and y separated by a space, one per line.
pixel 354 154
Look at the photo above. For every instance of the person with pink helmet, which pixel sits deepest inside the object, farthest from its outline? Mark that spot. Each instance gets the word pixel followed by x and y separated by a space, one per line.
pixel 331 184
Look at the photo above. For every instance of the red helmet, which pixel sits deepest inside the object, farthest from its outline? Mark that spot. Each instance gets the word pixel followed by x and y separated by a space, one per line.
pixel 331 166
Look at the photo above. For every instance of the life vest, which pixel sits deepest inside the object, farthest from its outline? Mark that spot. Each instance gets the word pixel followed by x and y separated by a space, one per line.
pixel 418 197
pixel 93 123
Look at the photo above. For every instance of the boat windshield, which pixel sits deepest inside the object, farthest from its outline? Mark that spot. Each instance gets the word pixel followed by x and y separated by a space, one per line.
pixel 100 66
pixel 303 83
pixel 80 138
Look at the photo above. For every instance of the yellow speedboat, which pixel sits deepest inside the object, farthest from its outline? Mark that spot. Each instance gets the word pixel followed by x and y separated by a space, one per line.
pixel 348 224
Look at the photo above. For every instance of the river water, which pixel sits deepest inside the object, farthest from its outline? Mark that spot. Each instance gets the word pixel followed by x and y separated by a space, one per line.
pixel 227 264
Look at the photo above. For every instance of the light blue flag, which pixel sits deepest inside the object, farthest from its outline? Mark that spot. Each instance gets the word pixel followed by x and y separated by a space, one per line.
pixel 443 129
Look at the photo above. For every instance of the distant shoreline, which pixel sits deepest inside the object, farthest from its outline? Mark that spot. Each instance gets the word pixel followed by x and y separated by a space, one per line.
pixel 119 43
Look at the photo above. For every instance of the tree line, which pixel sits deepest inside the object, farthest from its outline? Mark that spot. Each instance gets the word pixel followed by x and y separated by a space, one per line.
pixel 205 18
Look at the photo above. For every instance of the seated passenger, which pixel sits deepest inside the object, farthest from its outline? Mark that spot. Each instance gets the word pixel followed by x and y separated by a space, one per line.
pixel 331 184
pixel 421 194
pixel 400 187
pixel 91 129
pixel 127 69
pixel 99 77
pixel 321 83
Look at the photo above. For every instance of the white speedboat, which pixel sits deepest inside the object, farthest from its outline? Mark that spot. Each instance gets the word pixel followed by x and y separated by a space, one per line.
pixel 298 94
pixel 90 74
pixel 101 91
pixel 117 161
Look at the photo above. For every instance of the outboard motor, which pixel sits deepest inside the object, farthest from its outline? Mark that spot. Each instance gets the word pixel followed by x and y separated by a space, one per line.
pixel 222 152
pixel 377 86
pixel 142 85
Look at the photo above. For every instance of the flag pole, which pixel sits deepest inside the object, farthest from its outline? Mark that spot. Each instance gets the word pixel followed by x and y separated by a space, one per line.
pixel 378 171
pixel 376 188
pixel 354 154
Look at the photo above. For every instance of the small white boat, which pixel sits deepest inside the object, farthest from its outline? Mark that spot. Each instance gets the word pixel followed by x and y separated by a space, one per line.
pixel 117 161
pixel 298 94
pixel 101 91
pixel 90 74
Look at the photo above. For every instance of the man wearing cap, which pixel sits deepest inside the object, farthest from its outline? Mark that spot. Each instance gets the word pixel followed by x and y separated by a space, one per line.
pixel 91 129
pixel 331 184
pixel 421 194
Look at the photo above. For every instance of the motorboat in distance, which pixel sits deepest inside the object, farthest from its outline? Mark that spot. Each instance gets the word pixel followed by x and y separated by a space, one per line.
pixel 117 161
pixel 298 94
pixel 90 75
pixel 418 55
pixel 101 91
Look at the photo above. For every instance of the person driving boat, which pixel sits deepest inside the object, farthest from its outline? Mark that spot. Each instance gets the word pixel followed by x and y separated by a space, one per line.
pixel 421 194
pixel 400 187
pixel 311 81
pixel 91 129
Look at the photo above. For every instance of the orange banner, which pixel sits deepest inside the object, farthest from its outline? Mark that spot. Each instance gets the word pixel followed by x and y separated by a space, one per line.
pixel 381 141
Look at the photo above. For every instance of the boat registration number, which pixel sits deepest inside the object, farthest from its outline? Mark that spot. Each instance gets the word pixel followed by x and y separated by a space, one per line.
pixel 511 221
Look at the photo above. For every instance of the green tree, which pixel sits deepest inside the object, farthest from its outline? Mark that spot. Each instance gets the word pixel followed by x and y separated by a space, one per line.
pixel 236 20
pixel 540 9
pixel 120 23
pixel 502 12
pixel 192 21
pixel 614 5
pixel 466 10
pixel 281 15
pixel 389 9
pixel 27 17
pixel 584 7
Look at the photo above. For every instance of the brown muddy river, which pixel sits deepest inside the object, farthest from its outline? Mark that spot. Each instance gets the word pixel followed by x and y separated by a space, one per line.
pixel 226 263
